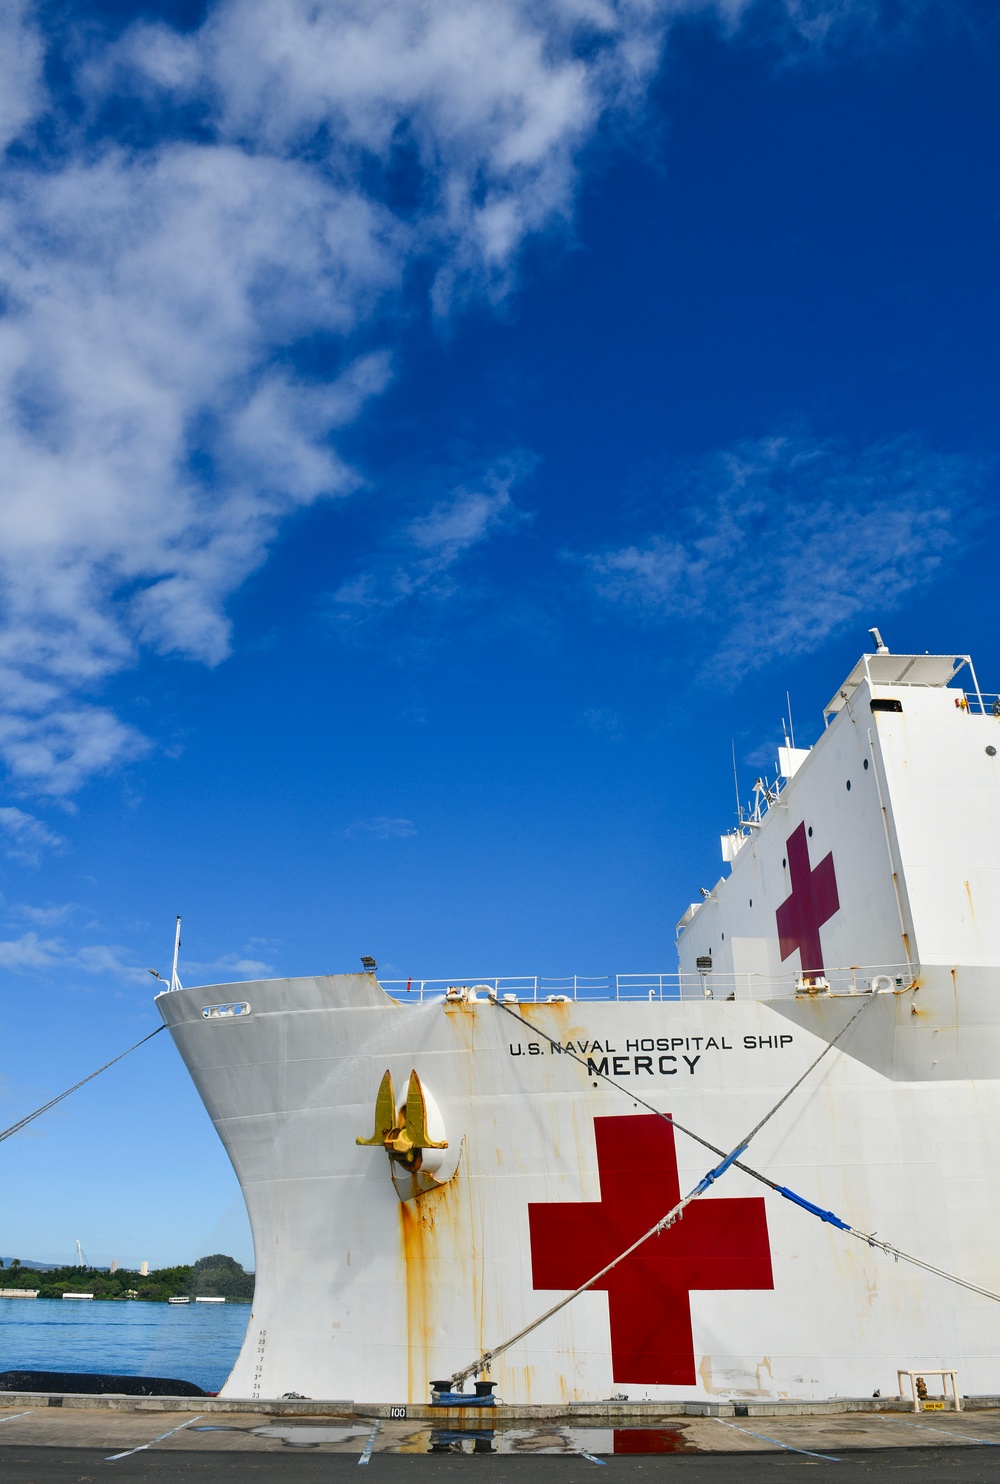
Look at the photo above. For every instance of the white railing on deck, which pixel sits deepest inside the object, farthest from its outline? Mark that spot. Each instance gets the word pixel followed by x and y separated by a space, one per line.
pixel 694 985
pixel 981 703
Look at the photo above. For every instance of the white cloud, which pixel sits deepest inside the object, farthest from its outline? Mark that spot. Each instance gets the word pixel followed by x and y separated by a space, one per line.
pixel 154 433
pixel 380 828
pixel 53 752
pixel 138 340
pixel 468 517
pixel 246 968
pixel 44 916
pixel 420 560
pixel 32 953
pixel 486 103
pixel 21 55
pixel 108 960
pixel 775 545
pixel 228 966
pixel 26 838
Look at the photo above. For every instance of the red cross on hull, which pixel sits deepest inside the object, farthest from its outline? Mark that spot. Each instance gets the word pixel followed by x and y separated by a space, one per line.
pixel 718 1244
pixel 813 901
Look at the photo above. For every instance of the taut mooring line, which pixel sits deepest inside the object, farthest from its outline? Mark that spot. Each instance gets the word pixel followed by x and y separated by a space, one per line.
pixel 16 1128
pixel 677 1211
pixel 728 1161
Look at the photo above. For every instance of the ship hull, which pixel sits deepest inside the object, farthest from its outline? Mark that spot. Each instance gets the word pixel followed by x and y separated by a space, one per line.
pixel 364 1296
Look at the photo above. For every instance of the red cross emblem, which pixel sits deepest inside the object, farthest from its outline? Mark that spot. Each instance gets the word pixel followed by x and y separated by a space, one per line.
pixel 812 902
pixel 716 1244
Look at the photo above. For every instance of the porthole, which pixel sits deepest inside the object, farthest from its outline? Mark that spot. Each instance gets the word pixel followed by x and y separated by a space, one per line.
pixel 784 865
pixel 991 751
pixel 810 831
pixel 866 765
pixel 848 785
pixel 751 901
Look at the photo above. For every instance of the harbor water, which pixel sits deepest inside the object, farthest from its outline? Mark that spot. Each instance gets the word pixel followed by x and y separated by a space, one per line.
pixel 187 1342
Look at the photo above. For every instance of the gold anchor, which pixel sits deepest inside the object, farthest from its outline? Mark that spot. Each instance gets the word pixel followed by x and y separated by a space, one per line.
pixel 402 1134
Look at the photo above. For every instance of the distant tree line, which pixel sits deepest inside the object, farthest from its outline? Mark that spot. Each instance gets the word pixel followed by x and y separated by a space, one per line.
pixel 217 1276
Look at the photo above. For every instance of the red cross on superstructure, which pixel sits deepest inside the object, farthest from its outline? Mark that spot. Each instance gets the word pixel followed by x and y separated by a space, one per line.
pixel 812 902
pixel 718 1243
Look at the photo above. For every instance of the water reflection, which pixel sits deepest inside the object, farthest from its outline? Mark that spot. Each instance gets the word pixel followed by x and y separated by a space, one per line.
pixel 460 1440
pixel 471 1441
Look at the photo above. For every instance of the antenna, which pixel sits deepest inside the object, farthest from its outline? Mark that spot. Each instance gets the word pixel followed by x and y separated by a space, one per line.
pixel 791 724
pixel 175 983
pixel 878 641
pixel 736 785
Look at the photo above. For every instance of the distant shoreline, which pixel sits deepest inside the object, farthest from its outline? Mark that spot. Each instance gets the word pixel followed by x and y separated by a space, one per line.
pixel 105 1298
pixel 215 1277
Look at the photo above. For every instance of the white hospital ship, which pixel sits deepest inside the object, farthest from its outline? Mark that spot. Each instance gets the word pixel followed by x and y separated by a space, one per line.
pixel 429 1168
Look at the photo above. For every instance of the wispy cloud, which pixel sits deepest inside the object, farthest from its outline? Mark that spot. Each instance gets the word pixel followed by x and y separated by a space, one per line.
pixel 382 827
pixel 773 546
pixel 35 952
pixel 422 556
pixel 43 950
pixel 21 58
pixel 602 722
pixel 32 952
pixel 25 838
pixel 47 916
pixel 158 420
pixel 227 966
pixel 154 430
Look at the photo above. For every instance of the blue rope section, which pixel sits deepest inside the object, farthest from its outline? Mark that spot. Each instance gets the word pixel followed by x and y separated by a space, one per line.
pixel 731 1159
pixel 800 1200
pixel 721 1169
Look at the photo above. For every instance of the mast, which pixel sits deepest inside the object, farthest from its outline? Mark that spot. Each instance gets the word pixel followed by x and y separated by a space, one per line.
pixel 175 983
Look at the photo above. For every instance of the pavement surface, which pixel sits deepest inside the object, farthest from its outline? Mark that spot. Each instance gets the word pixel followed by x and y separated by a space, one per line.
pixel 80 1466
pixel 84 1445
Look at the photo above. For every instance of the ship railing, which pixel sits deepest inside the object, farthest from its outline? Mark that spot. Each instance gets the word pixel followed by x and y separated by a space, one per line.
pixel 708 984
pixel 981 703
pixel 698 984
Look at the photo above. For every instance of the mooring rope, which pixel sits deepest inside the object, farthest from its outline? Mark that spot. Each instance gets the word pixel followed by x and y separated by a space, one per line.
pixel 728 1161
pixel 16 1128
pixel 592 1069
pixel 677 1211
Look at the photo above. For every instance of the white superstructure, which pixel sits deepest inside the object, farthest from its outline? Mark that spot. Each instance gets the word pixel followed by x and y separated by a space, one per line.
pixel 426 1172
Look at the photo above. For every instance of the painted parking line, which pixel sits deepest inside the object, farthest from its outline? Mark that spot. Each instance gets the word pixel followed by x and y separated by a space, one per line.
pixel 591 1458
pixel 827 1457
pixel 14 1416
pixel 959 1437
pixel 143 1446
pixel 369 1447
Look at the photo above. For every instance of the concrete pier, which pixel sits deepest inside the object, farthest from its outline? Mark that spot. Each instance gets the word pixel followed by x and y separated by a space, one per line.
pixel 54 1437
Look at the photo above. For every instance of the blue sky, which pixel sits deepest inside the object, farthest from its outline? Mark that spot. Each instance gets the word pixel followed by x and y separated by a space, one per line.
pixel 432 434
